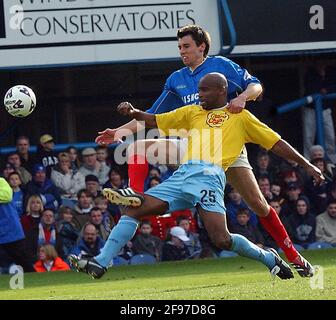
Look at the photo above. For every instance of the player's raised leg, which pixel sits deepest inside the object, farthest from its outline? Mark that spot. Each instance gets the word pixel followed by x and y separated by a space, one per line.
pixel 120 234
pixel 215 224
pixel 243 180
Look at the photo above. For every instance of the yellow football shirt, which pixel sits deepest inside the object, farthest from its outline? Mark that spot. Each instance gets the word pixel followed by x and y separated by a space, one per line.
pixel 216 136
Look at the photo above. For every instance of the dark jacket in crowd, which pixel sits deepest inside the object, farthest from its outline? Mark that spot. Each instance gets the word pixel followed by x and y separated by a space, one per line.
pixel 250 232
pixel 68 235
pixel 147 244
pixel 47 158
pixel 84 249
pixel 173 253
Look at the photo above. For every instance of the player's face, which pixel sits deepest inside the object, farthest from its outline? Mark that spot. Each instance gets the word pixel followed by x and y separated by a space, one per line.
pixel 191 54
pixel 208 96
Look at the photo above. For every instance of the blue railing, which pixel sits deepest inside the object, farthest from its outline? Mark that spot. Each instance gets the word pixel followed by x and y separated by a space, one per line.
pixel 317 99
pixel 232 31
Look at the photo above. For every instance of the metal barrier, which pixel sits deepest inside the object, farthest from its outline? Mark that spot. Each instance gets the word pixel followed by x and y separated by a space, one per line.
pixel 317 99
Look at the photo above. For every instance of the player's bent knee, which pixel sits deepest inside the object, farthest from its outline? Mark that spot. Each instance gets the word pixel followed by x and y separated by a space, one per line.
pixel 223 242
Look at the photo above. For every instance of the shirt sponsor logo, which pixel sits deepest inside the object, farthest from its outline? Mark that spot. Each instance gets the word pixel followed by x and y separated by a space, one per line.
pixel 216 120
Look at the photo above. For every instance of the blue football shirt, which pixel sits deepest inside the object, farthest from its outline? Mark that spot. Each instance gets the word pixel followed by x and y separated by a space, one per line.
pixel 181 88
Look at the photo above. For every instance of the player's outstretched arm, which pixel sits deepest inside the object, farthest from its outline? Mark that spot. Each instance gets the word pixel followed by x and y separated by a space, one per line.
pixel 252 92
pixel 126 109
pixel 109 135
pixel 286 151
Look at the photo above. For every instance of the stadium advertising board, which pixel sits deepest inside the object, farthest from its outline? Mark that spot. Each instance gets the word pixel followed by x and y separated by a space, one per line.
pixel 282 26
pixel 51 32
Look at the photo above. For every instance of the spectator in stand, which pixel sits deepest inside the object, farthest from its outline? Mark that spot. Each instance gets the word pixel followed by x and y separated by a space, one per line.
pixel 82 208
pixel 268 240
pixel 108 219
pixel 292 194
pixel 289 177
pixel 289 166
pixel 43 233
pixel 49 260
pixel 74 160
pixel 235 202
pixel 32 216
pixel 323 166
pixel 22 147
pixel 194 244
pixel 115 179
pixel 174 247
pixel 146 243
pixel 326 226
pixel 15 182
pixel 7 170
pixel 265 187
pixel 92 186
pixel 319 194
pixel 68 181
pixel 154 182
pixel 67 230
pixel 154 172
pixel 189 213
pixel 264 166
pixel 11 232
pixel 89 244
pixel 96 218
pixel 102 155
pixel 276 189
pixel 247 230
pixel 14 159
pixel 46 154
pixel 332 192
pixel 44 187
pixel 91 165
pixel 317 152
pixel 319 79
pixel 303 224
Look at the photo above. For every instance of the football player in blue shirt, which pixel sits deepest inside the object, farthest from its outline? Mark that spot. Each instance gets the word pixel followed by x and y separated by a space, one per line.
pixel 181 88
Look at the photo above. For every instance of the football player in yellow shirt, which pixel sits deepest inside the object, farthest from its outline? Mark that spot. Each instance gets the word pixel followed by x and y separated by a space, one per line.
pixel 215 139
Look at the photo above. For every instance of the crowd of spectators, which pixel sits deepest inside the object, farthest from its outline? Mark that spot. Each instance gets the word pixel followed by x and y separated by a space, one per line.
pixel 59 202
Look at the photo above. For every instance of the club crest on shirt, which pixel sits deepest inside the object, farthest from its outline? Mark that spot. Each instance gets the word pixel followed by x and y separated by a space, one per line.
pixel 216 119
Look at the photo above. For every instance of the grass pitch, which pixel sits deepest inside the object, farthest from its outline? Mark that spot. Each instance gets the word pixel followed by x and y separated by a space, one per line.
pixel 219 279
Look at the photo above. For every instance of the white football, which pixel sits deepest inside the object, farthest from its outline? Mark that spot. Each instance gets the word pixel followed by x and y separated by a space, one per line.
pixel 20 101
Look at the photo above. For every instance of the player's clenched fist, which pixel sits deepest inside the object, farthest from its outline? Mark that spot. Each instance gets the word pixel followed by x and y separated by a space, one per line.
pixel 126 109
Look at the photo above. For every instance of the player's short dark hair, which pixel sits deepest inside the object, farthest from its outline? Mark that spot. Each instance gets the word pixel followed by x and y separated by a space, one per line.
pixel 198 34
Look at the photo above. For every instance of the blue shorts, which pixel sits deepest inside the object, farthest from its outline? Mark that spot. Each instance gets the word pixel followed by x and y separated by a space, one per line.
pixel 191 184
